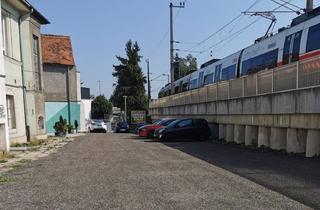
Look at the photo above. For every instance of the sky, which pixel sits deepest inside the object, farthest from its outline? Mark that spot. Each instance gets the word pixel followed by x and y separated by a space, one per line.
pixel 99 30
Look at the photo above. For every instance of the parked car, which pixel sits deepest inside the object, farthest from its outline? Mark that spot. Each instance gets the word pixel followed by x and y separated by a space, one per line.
pixel 138 126
pixel 143 126
pixel 148 130
pixel 98 126
pixel 184 129
pixel 122 127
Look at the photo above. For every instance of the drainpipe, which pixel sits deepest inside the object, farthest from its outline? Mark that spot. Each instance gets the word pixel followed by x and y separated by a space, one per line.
pixel 23 80
pixel 68 95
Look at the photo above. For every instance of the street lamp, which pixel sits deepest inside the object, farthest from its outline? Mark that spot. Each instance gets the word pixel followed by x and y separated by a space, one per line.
pixel 125 107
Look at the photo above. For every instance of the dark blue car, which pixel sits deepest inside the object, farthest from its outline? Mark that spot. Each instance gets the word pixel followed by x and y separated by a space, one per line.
pixel 122 127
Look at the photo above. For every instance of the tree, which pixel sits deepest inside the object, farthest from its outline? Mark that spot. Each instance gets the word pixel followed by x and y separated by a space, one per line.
pixel 130 80
pixel 185 66
pixel 100 108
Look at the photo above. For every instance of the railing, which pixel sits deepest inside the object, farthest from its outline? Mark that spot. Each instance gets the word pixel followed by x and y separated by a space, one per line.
pixel 299 75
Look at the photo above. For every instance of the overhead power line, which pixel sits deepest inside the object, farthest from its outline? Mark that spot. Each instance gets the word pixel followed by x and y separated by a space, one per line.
pixel 223 27
pixel 237 33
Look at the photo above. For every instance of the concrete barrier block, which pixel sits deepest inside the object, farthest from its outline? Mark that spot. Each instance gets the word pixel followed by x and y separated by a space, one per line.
pixel 249 105
pixel 230 133
pixel 284 103
pixel 264 104
pixel 211 108
pixel 296 140
pixel 313 143
pixel 239 134
pixel 278 138
pixel 264 136
pixel 251 135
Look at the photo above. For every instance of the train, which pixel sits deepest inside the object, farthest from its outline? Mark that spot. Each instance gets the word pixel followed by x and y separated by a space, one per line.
pixel 299 41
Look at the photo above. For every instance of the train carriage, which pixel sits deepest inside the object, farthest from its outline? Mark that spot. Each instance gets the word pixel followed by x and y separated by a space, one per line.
pixel 299 41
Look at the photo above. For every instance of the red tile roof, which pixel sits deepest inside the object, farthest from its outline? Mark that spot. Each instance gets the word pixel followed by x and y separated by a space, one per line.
pixel 56 49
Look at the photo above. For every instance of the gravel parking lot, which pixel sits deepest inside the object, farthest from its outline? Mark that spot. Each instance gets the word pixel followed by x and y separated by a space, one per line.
pixel 121 171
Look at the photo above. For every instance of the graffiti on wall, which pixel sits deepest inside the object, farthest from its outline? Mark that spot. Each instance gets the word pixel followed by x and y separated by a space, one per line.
pixel 2 114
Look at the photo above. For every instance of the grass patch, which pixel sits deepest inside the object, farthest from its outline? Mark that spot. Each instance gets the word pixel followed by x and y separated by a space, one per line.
pixel 4 179
pixel 33 143
pixel 3 161
pixel 20 163
pixel 6 155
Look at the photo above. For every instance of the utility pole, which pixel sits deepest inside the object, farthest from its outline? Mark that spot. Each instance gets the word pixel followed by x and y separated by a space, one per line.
pixel 149 85
pixel 125 108
pixel 99 81
pixel 182 5
pixel 309 6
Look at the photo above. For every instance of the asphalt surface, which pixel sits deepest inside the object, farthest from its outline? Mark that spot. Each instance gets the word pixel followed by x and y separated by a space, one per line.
pixel 119 171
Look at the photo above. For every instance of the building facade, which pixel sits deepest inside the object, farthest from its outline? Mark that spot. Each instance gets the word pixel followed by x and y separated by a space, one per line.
pixel 11 16
pixel 33 74
pixel 20 105
pixel 61 81
pixel 4 134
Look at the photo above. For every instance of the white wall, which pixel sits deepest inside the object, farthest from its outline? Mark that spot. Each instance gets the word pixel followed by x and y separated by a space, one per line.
pixel 4 135
pixel 85 115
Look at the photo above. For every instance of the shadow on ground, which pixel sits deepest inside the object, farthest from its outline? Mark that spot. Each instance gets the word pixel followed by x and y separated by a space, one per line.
pixel 292 175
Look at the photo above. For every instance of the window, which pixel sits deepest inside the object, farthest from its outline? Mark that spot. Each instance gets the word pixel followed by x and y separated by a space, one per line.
pixel 184 123
pixel 208 79
pixel 40 123
pixel 11 112
pixel 313 42
pixel 185 87
pixel 228 73
pixel 36 63
pixel 193 84
pixel 5 32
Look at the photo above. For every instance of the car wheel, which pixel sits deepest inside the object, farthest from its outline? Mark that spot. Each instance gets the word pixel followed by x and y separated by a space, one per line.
pixel 204 137
pixel 150 135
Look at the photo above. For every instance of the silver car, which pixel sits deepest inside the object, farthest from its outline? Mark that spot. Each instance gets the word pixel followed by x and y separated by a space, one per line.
pixel 98 126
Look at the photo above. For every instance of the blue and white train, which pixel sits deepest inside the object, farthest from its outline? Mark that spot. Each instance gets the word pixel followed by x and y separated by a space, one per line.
pixel 298 42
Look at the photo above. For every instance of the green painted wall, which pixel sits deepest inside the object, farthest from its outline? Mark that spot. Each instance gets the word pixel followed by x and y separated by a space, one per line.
pixel 56 109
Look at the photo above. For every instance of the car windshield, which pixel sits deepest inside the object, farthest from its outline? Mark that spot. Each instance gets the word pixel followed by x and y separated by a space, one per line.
pixel 122 124
pixel 166 122
pixel 172 124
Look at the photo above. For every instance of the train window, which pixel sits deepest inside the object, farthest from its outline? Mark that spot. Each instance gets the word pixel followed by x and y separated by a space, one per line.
pixel 193 84
pixel 228 73
pixel 208 79
pixel 246 67
pixel 313 42
pixel 271 59
pixel 176 89
pixel 185 87
pixel 217 73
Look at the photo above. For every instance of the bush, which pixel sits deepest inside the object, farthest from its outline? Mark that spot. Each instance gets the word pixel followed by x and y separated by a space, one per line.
pixel 61 127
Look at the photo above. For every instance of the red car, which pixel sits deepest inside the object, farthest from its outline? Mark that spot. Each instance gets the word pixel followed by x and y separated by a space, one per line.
pixel 148 130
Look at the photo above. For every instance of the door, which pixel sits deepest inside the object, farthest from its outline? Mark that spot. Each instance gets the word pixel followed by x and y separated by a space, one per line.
pixel 217 73
pixel 181 131
pixel 291 48
pixel 201 79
